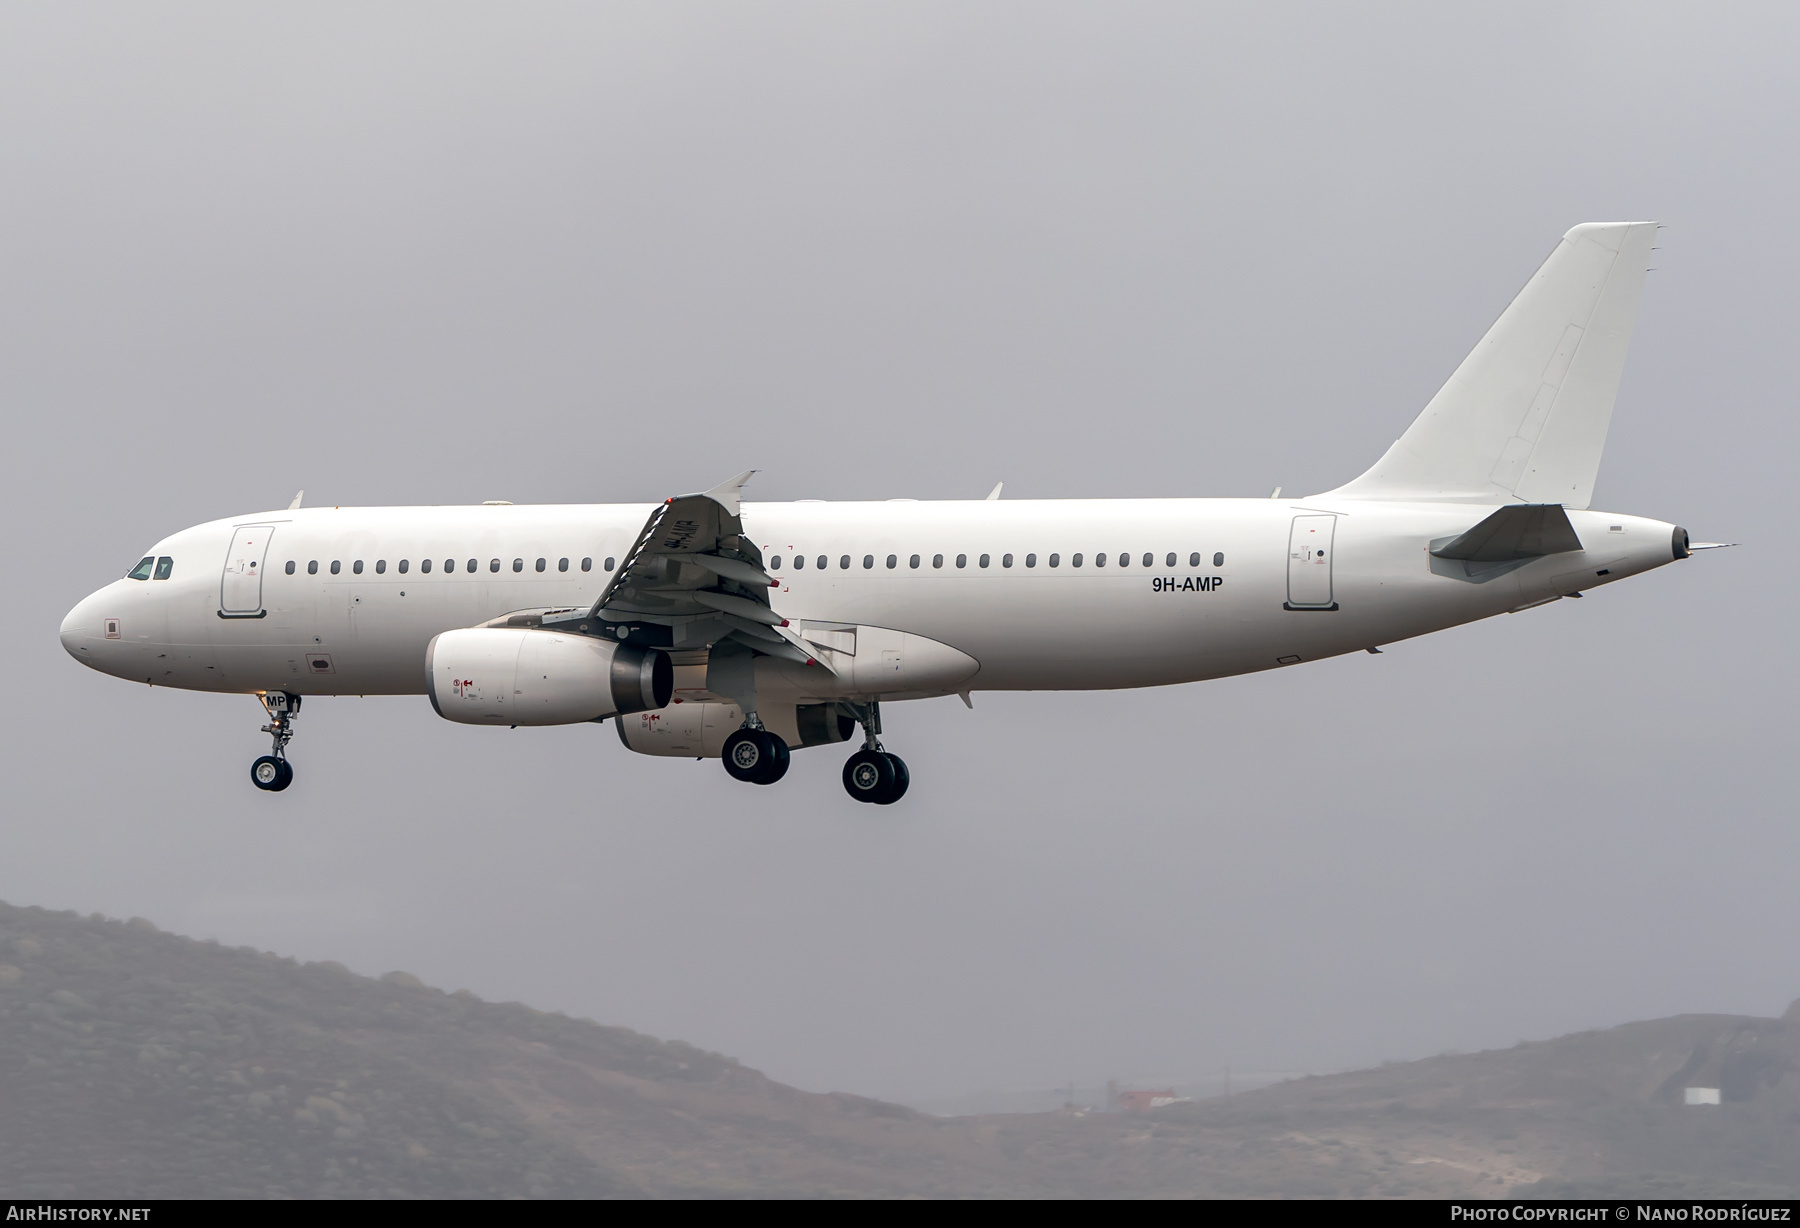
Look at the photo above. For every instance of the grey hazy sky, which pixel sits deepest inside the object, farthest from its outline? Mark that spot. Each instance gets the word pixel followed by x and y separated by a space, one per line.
pixel 441 253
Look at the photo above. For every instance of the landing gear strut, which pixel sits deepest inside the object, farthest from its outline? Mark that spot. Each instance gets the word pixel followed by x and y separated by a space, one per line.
pixel 272 772
pixel 873 774
pixel 755 755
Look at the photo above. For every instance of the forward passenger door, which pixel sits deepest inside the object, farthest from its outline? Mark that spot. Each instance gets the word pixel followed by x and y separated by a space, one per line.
pixel 240 592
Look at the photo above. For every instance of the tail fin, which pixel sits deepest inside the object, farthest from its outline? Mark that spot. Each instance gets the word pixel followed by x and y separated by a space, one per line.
pixel 1525 416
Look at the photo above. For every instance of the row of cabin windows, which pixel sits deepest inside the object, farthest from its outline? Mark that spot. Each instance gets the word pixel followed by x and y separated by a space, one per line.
pixel 1006 560
pixel 149 566
pixel 356 568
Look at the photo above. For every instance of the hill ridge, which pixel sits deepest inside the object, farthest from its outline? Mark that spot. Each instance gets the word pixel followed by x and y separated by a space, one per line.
pixel 135 1062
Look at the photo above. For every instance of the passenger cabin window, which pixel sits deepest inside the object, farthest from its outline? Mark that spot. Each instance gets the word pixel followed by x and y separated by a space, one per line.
pixel 380 567
pixel 290 567
pixel 937 560
pixel 473 565
pixel 609 564
pixel 1219 559
pixel 799 562
pixel 1171 560
pixel 165 565
pixel 1194 559
pixel 562 564
pixel 142 571
pixel 775 563
pixel 1006 560
pixel 493 564
pixel 1075 560
pixel 336 567
pixel 1031 560
pixel 518 564
pixel 913 561
pixel 540 564
pixel 983 560
pixel 868 562
pixel 356 568
pixel 588 565
pixel 962 560
pixel 1099 560
pixel 821 562
pixel 893 561
pixel 424 566
pixel 402 566
pixel 844 563
pixel 312 568
pixel 1055 560
pixel 1151 558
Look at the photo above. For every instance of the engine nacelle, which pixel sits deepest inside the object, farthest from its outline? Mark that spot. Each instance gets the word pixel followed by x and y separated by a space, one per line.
pixel 697 730
pixel 519 676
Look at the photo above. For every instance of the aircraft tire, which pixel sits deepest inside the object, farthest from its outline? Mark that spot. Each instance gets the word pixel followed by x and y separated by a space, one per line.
pixel 902 780
pixel 869 776
pixel 776 764
pixel 270 774
pixel 755 756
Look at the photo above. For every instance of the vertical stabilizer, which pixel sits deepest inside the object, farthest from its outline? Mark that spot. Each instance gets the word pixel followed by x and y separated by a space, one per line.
pixel 1524 417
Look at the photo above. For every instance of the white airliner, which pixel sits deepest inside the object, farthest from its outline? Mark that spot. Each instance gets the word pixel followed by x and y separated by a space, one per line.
pixel 705 628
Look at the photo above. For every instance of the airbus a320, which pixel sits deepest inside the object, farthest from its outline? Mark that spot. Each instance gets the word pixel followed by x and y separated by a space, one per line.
pixel 710 627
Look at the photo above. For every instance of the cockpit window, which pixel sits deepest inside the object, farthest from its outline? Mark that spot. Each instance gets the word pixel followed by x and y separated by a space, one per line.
pixel 164 566
pixel 142 570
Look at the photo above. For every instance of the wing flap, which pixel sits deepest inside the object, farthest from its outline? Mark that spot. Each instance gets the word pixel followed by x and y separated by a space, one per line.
pixel 693 569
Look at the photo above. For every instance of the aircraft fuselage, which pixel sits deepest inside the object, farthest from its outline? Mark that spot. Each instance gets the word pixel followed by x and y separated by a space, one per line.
pixel 1038 594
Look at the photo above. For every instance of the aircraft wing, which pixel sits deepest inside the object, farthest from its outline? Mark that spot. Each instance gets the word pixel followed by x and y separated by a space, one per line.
pixel 693 570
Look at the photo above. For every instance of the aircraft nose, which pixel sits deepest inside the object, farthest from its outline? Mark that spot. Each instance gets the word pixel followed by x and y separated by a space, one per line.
pixel 81 626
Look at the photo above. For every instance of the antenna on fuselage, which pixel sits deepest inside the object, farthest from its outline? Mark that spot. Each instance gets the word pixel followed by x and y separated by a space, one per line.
pixel 1276 493
pixel 298 495
pixel 994 493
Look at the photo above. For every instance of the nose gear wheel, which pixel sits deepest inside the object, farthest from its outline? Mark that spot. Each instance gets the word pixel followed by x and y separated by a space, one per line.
pixel 271 774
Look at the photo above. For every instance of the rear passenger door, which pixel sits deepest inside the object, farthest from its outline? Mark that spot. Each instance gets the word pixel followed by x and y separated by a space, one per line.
pixel 1309 563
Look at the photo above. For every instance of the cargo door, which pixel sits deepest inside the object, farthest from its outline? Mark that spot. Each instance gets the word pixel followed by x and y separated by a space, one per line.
pixel 1309 563
pixel 241 591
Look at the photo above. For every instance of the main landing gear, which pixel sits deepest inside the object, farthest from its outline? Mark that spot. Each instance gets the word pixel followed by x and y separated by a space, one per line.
pixel 872 774
pixel 758 757
pixel 755 755
pixel 272 772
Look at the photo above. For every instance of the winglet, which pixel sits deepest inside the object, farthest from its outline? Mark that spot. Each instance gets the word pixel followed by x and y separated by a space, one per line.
pixel 725 494
pixel 298 495
pixel 995 493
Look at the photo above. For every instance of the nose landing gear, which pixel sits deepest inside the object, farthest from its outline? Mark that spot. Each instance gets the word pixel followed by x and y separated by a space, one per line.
pixel 272 772
pixel 873 774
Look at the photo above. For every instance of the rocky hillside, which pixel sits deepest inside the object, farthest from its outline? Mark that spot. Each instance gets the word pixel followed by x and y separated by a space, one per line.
pixel 138 1063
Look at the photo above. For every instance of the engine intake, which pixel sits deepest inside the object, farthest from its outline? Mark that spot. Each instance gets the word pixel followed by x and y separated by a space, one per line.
pixel 516 676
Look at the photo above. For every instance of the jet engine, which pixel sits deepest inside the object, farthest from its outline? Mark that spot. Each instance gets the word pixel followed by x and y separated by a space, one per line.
pixel 518 676
pixel 697 730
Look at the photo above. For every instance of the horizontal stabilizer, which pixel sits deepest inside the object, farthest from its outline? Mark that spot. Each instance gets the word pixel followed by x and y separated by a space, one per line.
pixel 1519 531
